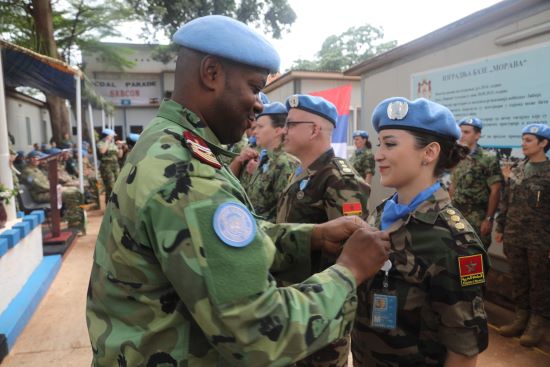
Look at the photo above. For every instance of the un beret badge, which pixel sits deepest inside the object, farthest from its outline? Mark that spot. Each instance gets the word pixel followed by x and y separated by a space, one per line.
pixel 293 101
pixel 534 129
pixel 397 110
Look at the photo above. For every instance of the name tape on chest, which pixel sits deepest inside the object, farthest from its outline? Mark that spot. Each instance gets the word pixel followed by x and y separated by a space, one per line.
pixel 471 270
pixel 200 149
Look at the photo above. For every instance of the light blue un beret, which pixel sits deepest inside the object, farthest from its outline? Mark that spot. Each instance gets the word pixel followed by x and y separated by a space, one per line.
pixel 419 115
pixel 472 121
pixel 540 130
pixel 133 137
pixel 361 133
pixel 263 98
pixel 313 104
pixel 37 154
pixel 228 38
pixel 275 108
pixel 109 132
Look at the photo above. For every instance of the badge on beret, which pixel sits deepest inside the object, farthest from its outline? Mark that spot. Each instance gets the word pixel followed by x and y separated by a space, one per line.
pixel 234 224
pixel 471 270
pixel 293 101
pixel 534 129
pixel 200 150
pixel 397 110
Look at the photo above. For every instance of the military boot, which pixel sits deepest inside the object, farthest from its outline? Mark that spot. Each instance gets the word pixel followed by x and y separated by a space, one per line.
pixel 517 326
pixel 533 334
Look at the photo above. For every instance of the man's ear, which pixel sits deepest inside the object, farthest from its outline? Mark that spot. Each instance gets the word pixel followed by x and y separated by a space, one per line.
pixel 211 73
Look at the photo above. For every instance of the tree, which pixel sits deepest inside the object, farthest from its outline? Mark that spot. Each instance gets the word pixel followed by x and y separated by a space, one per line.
pixel 347 49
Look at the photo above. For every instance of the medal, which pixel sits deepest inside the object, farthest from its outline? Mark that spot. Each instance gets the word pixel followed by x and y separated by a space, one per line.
pixel 300 195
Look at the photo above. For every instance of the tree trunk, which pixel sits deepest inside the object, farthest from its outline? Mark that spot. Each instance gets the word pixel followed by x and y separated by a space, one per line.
pixel 41 11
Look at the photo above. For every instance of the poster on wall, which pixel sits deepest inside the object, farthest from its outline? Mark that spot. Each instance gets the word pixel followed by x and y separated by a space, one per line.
pixel 506 91
pixel 130 91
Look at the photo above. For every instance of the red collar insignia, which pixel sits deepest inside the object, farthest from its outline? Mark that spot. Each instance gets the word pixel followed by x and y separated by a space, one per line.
pixel 200 149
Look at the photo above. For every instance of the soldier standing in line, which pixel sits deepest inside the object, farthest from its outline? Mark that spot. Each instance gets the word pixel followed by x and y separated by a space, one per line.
pixel 181 267
pixel 523 225
pixel 324 187
pixel 476 181
pixel 425 307
pixel 363 159
pixel 275 165
pixel 109 153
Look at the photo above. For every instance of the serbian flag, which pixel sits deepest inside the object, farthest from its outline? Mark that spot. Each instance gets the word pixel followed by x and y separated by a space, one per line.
pixel 340 97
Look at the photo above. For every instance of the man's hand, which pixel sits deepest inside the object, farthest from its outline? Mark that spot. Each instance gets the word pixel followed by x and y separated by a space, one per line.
pixel 252 165
pixel 364 253
pixel 498 237
pixel 237 164
pixel 330 236
pixel 485 228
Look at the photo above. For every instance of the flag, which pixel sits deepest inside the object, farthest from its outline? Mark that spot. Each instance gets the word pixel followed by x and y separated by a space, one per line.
pixel 341 98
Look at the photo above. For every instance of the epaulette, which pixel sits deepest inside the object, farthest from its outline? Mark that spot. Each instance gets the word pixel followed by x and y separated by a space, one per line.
pixel 343 167
pixel 460 229
pixel 200 149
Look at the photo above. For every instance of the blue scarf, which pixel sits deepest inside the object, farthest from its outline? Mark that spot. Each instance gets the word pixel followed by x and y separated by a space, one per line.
pixel 394 211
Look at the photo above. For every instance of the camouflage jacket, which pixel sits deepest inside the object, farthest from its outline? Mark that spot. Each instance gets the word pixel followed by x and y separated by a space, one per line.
pixel 438 271
pixel 165 288
pixel 363 162
pixel 268 182
pixel 525 206
pixel 326 190
pixel 111 155
pixel 472 178
pixel 37 182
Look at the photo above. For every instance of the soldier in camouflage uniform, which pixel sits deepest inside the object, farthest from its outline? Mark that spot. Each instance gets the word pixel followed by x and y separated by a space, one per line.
pixel 476 181
pixel 363 159
pixel 180 273
pixel 324 187
pixel 427 309
pixel 275 165
pixel 109 153
pixel 39 188
pixel 523 224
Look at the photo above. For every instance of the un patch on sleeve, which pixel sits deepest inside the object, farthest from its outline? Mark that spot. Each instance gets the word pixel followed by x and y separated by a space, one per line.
pixel 234 224
pixel 471 270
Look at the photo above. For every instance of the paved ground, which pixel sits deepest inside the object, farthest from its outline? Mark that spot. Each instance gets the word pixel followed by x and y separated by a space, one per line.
pixel 56 336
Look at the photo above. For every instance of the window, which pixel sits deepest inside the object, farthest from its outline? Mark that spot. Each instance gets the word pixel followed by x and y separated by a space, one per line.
pixel 136 129
pixel 29 135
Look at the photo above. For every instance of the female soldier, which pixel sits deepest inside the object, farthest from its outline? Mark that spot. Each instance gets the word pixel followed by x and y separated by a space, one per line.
pixel 362 159
pixel 526 205
pixel 109 153
pixel 426 308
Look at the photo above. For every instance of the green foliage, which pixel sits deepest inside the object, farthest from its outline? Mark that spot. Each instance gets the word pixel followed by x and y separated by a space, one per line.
pixel 355 45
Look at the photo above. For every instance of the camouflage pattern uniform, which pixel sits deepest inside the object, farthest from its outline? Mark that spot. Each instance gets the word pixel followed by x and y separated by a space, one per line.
pixel 524 220
pixel 435 313
pixel 109 167
pixel 72 198
pixel 471 179
pixel 331 185
pixel 164 287
pixel 235 149
pixel 363 161
pixel 268 182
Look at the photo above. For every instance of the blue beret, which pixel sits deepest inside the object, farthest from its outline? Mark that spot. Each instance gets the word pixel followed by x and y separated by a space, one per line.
pixel 540 130
pixel 133 137
pixel 418 115
pixel 361 133
pixel 54 151
pixel 472 121
pixel 313 104
pixel 263 98
pixel 109 132
pixel 275 108
pixel 228 38
pixel 37 154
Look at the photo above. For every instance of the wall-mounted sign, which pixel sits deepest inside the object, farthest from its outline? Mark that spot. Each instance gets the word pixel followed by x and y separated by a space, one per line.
pixel 130 92
pixel 506 92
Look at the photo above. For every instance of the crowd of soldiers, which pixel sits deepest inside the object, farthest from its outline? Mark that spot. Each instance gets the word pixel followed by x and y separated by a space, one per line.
pixel 234 235
pixel 31 170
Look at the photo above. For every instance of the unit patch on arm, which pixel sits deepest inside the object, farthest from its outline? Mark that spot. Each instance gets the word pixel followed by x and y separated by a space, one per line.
pixel 234 224
pixel 471 270
pixel 352 208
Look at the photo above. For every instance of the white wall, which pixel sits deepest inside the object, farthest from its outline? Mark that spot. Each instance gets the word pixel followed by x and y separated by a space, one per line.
pixel 19 111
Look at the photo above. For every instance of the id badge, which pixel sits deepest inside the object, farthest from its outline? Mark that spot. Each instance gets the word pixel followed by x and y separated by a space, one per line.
pixel 384 311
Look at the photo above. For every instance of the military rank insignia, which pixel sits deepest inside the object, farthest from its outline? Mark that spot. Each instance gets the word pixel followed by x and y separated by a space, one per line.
pixel 352 208
pixel 200 150
pixel 471 270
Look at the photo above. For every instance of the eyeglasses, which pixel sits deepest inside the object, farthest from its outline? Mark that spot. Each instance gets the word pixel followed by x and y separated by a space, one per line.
pixel 290 124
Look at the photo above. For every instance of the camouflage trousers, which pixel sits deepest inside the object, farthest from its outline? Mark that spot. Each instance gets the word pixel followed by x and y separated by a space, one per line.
pixel 475 216
pixel 109 173
pixel 74 214
pixel 530 270
pixel 92 194
pixel 333 355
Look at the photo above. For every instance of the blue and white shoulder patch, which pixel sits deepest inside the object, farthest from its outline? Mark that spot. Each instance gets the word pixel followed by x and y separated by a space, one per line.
pixel 234 224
